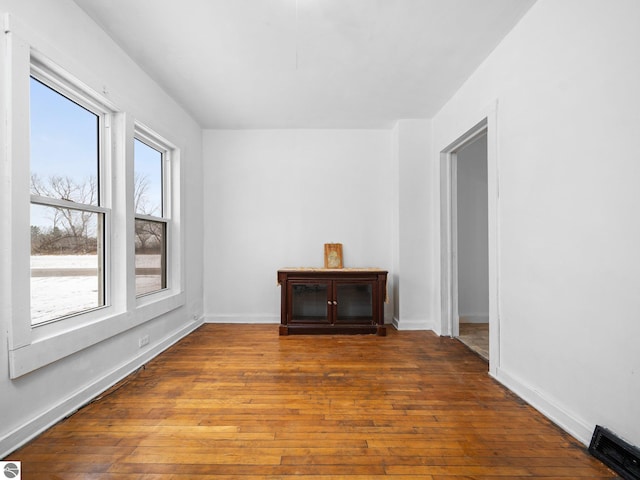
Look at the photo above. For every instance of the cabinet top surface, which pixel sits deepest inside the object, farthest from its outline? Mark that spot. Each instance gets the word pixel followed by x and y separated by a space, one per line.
pixel 330 270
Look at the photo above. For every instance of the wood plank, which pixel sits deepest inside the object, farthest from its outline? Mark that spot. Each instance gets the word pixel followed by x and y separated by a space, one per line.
pixel 240 401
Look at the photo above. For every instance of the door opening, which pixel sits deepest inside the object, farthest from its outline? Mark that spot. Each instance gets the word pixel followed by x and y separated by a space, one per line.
pixel 469 236
pixel 472 245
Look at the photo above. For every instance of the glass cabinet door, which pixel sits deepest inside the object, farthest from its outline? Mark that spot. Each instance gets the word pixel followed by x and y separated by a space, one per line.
pixel 309 302
pixel 354 303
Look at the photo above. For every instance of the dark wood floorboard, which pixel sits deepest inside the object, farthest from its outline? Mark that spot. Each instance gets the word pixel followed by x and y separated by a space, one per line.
pixel 238 402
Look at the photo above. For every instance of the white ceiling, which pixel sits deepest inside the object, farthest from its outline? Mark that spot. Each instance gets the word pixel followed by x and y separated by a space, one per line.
pixel 308 63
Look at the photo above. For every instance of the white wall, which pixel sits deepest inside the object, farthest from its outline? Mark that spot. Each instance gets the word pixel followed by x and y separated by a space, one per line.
pixel 413 242
pixel 273 198
pixel 567 148
pixel 566 84
pixel 69 38
pixel 472 232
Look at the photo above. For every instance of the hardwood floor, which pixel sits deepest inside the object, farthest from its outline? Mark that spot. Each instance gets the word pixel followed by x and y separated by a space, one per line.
pixel 240 402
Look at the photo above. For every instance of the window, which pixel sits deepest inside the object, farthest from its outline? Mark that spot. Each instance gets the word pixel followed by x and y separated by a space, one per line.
pixel 69 195
pixel 150 215
pixel 67 215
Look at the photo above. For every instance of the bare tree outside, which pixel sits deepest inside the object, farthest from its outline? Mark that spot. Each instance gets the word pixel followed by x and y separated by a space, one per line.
pixel 148 234
pixel 71 231
pixel 66 265
pixel 150 226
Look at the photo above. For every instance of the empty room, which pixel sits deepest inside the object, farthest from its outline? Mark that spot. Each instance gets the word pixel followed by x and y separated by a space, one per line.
pixel 319 239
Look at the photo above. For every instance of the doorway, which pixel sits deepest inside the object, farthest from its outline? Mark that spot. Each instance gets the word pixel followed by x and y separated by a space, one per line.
pixel 472 244
pixel 469 291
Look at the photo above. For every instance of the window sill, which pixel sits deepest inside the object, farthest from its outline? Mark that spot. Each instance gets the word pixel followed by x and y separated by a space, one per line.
pixel 46 348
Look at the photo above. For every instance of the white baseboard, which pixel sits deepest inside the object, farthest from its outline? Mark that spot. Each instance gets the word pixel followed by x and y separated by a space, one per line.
pixel 474 318
pixel 559 415
pixel 242 318
pixel 405 324
pixel 18 437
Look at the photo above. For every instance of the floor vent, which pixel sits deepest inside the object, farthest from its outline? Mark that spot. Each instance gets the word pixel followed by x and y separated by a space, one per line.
pixel 615 453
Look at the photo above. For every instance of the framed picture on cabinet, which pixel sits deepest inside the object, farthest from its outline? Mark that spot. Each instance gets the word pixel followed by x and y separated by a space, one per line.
pixel 333 255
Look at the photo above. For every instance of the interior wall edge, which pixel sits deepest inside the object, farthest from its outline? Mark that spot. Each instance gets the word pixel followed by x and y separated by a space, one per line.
pixel 395 321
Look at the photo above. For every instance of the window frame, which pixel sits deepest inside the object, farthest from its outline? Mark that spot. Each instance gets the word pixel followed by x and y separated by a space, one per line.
pixel 172 296
pixel 167 151
pixel 31 348
pixel 52 79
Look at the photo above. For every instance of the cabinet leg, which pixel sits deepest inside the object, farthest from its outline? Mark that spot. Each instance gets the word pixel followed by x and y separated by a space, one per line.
pixel 381 331
pixel 284 330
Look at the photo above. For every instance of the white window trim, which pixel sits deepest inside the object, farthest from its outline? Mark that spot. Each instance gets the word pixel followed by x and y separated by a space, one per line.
pixel 30 347
pixel 52 77
pixel 171 214
pixel 147 137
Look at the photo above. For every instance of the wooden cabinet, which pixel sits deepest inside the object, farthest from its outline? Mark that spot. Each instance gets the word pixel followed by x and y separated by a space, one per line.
pixel 327 301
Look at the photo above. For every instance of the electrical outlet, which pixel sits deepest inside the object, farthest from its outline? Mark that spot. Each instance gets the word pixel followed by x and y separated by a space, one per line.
pixel 142 341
